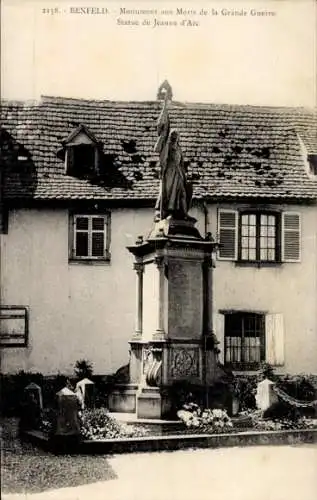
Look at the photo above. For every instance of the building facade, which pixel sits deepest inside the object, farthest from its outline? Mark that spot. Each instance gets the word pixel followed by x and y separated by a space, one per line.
pixel 80 181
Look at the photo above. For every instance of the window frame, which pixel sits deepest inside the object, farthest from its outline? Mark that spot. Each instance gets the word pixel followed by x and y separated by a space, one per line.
pixel 73 216
pixel 245 365
pixel 278 236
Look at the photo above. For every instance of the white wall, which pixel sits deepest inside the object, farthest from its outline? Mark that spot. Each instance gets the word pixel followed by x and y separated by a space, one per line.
pixel 76 310
pixel 88 311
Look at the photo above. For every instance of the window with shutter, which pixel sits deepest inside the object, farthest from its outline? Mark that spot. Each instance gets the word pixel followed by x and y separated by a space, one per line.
pixel 259 236
pixel 227 231
pixel 291 237
pixel 90 237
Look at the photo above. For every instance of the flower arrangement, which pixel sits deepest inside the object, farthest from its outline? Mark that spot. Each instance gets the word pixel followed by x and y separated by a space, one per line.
pixel 97 424
pixel 205 420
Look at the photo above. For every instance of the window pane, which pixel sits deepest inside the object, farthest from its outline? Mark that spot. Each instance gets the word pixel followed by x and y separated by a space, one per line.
pixel 245 230
pixel 252 255
pixel 233 324
pixel 272 220
pixel 263 254
pixel 244 254
pixel 252 220
pixel 271 243
pixel 82 223
pixel 98 223
pixel 271 254
pixel 263 220
pixel 81 244
pixel 245 220
pixel 97 247
pixel 264 230
pixel 245 242
pixel 271 231
pixel 252 242
pixel 252 231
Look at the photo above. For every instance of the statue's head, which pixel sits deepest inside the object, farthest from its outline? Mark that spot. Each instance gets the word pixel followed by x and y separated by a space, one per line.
pixel 174 136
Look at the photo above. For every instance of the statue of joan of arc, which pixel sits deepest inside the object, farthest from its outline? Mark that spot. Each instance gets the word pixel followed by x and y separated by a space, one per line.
pixel 175 194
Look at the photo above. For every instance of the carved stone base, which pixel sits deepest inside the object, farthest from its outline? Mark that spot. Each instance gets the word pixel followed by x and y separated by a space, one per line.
pixel 149 403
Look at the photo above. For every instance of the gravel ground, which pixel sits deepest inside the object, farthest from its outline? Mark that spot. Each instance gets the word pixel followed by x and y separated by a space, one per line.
pixel 28 469
pixel 250 473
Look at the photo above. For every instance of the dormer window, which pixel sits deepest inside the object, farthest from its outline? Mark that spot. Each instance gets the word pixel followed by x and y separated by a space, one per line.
pixel 81 153
pixel 312 160
pixel 81 160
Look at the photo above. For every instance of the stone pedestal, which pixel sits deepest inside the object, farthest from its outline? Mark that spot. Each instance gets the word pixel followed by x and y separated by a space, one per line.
pixel 32 407
pixel 85 391
pixel 265 395
pixel 172 340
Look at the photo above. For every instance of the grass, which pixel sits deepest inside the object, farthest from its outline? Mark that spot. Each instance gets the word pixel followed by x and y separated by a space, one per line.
pixel 28 469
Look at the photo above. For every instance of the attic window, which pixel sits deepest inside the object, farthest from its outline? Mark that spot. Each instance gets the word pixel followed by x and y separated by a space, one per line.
pixel 81 153
pixel 81 160
pixel 312 159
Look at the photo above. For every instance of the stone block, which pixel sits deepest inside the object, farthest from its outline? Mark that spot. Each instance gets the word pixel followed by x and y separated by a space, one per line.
pixel 149 403
pixel 265 395
pixel 123 400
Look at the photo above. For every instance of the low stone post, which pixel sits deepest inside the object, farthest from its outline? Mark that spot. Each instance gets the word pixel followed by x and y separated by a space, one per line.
pixel 67 424
pixel 265 395
pixel 32 407
pixel 85 391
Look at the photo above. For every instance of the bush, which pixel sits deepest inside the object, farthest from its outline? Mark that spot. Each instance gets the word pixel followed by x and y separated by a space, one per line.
pixel 83 369
pixel 244 389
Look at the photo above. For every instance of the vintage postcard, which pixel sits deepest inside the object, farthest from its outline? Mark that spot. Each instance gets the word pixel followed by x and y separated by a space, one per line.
pixel 158 249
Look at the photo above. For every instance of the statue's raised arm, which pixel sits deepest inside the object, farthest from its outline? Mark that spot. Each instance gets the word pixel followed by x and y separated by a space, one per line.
pixel 175 193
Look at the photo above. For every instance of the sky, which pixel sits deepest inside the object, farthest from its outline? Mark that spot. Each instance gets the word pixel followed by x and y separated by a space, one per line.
pixel 235 59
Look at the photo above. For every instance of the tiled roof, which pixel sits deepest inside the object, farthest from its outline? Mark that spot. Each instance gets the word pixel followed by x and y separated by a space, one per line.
pixel 230 151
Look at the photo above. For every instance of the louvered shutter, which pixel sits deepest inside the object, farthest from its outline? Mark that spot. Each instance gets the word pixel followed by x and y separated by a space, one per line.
pixel 274 339
pixel 219 325
pixel 228 234
pixel 291 237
